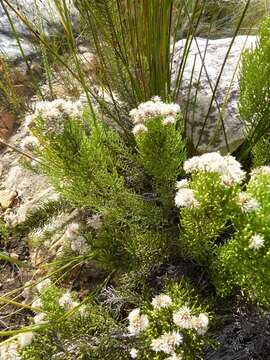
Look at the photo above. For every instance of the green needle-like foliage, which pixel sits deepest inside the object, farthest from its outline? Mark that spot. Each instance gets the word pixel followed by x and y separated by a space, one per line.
pixel 255 94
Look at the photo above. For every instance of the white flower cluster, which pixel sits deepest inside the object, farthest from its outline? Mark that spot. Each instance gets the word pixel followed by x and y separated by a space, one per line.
pixel 54 112
pixel 133 353
pixel 185 197
pixel 67 303
pixel 161 301
pixel 10 350
pixel 184 319
pixel 43 285
pixel 229 169
pixel 74 240
pixel 40 318
pixel 152 109
pixel 137 322
pixel 262 170
pixel 256 242
pixel 167 342
pixel 247 203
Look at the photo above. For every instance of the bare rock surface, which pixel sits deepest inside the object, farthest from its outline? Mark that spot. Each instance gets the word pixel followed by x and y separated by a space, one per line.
pixel 35 11
pixel 227 94
pixel 31 188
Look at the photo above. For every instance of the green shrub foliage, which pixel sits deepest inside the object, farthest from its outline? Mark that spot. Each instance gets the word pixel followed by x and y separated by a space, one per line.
pixel 244 259
pixel 91 167
pixel 255 96
pixel 224 228
pixel 172 326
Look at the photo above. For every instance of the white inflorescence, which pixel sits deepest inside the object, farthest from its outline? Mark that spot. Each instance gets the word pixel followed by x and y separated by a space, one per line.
pixel 228 168
pixel 66 302
pixel 256 242
pixel 133 353
pixel 200 323
pixel 161 301
pixel 72 230
pixel 79 245
pixel 152 109
pixel 186 198
pixel 182 318
pixel 139 129
pixel 181 184
pixel 247 203
pixel 262 170
pixel 40 318
pixel 137 322
pixel 43 285
pixel 167 342
pixel 25 339
pixel 76 242
pixel 53 111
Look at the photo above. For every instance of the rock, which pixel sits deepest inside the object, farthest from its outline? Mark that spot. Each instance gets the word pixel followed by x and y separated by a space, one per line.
pixel 32 188
pixel 227 94
pixel 33 10
pixel 7 122
pixel 7 198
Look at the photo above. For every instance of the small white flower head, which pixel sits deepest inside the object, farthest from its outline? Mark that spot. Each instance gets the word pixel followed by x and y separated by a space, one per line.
pixel 37 303
pixel 133 353
pixel 152 109
pixel 174 356
pixel 66 301
pixel 262 170
pixel 167 342
pixel 139 129
pixel 186 198
pixel 95 221
pixel 226 166
pixel 247 203
pixel 79 245
pixel 40 318
pixel 161 301
pixel 200 323
pixel 137 322
pixel 43 285
pixel 55 112
pixel 181 184
pixel 256 242
pixel 156 98
pixel 169 120
pixel 25 339
pixel 83 310
pixel 72 230
pixel 182 318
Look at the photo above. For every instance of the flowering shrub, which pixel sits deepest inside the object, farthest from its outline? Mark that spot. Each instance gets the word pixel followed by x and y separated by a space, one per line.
pixel 244 260
pixel 207 202
pixel 172 327
pixel 52 114
pixel 224 226
pixel 68 328
pixel 160 144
